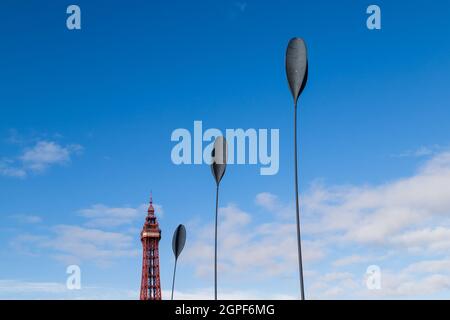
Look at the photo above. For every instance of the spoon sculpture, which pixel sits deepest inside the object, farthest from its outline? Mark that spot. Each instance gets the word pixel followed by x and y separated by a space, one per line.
pixel 178 241
pixel 218 166
pixel 297 75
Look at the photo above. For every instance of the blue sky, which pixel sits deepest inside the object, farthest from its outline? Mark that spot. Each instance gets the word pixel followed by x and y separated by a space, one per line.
pixel 87 117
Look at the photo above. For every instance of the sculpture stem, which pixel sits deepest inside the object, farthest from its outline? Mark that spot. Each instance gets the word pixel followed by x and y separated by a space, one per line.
pixel 173 280
pixel 215 245
pixel 299 243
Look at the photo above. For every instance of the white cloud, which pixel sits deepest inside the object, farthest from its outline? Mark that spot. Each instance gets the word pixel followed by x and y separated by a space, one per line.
pixel 427 239
pixel 242 6
pixel 208 294
pixel 398 225
pixel 38 158
pixel 100 215
pixel 267 200
pixel 430 266
pixel 373 214
pixel 422 151
pixel 74 244
pixel 20 289
pixel 9 171
pixel 395 284
pixel 401 284
pixel 272 203
pixel 26 218
pixel 333 285
pixel 47 153
pixel 350 260
pixel 248 248
pixel 90 242
pixel 406 219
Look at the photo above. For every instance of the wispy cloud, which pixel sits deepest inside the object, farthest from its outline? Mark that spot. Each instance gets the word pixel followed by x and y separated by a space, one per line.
pixel 405 218
pixel 47 153
pixel 102 238
pixel 242 6
pixel 38 158
pixel 242 294
pixel 374 214
pixel 26 218
pixel 248 247
pixel 353 259
pixel 100 215
pixel 75 244
pixel 20 289
pixel 272 203
pixel 236 9
pixel 422 151
pixel 7 169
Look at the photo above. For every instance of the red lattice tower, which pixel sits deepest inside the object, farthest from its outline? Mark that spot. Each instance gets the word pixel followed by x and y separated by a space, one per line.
pixel 150 236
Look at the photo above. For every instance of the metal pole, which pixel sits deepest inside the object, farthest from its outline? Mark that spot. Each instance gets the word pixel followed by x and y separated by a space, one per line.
pixel 299 243
pixel 173 280
pixel 215 245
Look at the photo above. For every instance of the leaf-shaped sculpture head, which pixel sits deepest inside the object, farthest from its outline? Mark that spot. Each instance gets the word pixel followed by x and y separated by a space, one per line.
pixel 296 66
pixel 219 158
pixel 178 240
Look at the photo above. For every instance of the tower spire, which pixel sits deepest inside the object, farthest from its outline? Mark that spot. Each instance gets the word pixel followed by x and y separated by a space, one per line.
pixel 151 210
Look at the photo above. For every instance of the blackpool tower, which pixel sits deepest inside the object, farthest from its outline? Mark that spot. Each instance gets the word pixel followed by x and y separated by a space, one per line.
pixel 150 236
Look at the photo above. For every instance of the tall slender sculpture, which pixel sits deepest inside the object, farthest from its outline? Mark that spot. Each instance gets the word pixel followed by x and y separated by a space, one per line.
pixel 297 75
pixel 218 166
pixel 178 241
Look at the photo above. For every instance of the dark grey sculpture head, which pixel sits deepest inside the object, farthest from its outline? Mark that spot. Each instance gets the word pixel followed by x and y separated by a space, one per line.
pixel 296 66
pixel 178 240
pixel 219 158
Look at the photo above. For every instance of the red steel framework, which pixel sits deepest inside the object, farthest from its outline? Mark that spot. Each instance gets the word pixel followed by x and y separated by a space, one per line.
pixel 150 236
